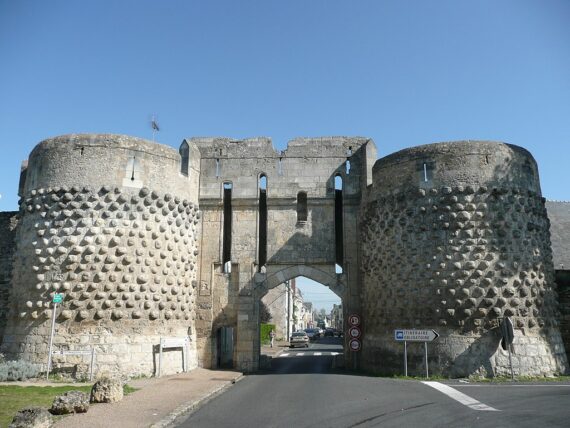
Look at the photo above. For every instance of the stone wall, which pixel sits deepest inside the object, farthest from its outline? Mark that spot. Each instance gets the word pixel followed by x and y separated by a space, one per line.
pixel 122 249
pixel 455 237
pixel 307 165
pixel 8 223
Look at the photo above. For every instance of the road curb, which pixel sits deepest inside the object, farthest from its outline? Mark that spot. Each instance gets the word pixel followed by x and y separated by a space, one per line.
pixel 189 408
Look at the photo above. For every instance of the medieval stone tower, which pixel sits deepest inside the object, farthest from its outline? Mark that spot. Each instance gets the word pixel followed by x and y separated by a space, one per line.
pixel 147 242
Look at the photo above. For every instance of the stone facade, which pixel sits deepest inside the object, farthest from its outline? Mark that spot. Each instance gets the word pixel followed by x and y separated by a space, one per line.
pixel 559 216
pixel 8 223
pixel 146 242
pixel 111 223
pixel 455 237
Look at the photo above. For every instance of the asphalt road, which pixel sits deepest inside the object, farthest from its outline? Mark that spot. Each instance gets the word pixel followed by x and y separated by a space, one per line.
pixel 302 391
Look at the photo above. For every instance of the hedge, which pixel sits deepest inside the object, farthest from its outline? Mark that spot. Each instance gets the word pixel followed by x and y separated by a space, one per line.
pixel 264 333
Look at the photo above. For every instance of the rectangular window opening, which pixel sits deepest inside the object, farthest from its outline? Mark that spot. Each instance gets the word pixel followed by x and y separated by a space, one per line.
pixel 227 228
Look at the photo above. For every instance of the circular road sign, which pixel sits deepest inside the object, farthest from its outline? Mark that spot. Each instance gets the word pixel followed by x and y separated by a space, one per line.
pixel 354 320
pixel 354 332
pixel 354 345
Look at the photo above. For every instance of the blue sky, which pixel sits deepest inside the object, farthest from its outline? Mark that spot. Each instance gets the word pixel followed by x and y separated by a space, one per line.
pixel 403 73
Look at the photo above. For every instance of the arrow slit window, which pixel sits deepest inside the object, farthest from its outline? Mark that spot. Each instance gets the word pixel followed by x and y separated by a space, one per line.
pixel 302 211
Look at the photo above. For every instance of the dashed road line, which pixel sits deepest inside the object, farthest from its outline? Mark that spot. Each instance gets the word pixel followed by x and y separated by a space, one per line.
pixel 459 396
pixel 308 354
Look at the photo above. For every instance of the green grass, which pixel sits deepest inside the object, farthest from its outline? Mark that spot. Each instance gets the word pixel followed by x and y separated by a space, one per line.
pixel 14 398
pixel 505 379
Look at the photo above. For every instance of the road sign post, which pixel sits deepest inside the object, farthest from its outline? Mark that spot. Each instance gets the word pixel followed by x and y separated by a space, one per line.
pixel 57 298
pixel 415 336
pixel 405 358
pixel 354 334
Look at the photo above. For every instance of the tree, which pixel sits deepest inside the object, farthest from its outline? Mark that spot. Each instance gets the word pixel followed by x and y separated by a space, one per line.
pixel 322 313
pixel 264 314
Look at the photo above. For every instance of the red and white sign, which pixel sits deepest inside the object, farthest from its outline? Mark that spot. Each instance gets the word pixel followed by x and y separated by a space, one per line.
pixel 354 345
pixel 354 320
pixel 354 332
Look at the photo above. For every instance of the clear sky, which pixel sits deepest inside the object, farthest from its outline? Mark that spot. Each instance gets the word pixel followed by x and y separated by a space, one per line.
pixel 319 295
pixel 403 73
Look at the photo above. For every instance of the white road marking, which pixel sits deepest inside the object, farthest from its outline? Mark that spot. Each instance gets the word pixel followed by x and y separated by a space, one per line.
pixel 335 353
pixel 300 354
pixel 284 355
pixel 318 353
pixel 459 396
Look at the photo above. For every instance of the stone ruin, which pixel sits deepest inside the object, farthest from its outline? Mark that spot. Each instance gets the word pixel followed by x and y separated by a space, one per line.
pixel 147 242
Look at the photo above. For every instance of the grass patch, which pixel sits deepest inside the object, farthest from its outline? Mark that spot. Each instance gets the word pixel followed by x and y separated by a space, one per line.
pixel 507 379
pixel 127 389
pixel 14 398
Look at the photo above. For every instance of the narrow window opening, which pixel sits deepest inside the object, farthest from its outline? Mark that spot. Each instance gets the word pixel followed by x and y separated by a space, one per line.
pixel 227 230
pixel 184 158
pixel 133 170
pixel 347 166
pixel 82 148
pixel 338 222
pixel 302 211
pixel 217 167
pixel 262 222
pixel 349 151
pixel 338 268
pixel 280 167
pixel 425 172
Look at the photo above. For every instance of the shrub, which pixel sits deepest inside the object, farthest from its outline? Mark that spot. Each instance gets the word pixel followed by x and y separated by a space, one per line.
pixel 18 370
pixel 264 333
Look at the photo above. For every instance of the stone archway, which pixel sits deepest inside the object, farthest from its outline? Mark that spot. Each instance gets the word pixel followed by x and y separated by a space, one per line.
pixel 264 282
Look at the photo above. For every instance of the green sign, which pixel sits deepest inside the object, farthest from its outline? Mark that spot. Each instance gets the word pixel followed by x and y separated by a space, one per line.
pixel 57 298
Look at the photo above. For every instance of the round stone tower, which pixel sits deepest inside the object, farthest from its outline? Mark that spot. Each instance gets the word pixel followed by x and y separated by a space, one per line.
pixel 111 222
pixel 454 238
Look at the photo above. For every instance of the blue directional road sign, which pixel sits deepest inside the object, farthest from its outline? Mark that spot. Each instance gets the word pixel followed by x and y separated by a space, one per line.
pixel 415 335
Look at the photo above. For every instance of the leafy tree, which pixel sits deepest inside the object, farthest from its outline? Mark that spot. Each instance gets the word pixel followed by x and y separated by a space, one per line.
pixel 264 314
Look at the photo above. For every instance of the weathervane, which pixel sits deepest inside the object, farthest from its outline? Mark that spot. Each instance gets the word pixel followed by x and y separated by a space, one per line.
pixel 154 126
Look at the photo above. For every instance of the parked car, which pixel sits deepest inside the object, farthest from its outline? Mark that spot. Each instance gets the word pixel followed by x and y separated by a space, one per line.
pixel 313 333
pixel 329 332
pixel 299 338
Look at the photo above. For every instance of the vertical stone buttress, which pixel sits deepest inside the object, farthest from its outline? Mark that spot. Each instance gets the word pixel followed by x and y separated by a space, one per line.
pixel 8 223
pixel 454 238
pixel 111 223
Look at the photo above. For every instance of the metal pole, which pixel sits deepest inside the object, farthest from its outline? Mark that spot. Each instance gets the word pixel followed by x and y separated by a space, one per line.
pixel 92 361
pixel 405 358
pixel 52 332
pixel 427 369
pixel 511 363
pixel 160 358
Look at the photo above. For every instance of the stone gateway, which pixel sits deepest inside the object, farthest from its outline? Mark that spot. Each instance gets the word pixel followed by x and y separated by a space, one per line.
pixel 147 243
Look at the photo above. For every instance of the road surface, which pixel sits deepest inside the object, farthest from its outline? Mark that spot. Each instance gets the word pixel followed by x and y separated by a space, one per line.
pixel 302 391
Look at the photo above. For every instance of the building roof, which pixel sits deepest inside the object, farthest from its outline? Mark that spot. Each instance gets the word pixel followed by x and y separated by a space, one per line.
pixel 559 216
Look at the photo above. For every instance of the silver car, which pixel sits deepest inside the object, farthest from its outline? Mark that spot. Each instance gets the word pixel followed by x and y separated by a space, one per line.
pixel 299 338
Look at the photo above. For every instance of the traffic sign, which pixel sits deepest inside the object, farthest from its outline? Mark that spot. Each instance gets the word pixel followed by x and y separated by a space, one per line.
pixel 354 332
pixel 354 345
pixel 57 298
pixel 507 332
pixel 415 335
pixel 354 320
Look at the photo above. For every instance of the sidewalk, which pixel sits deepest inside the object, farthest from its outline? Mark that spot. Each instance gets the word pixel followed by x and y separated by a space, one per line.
pixel 157 402
pixel 278 347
